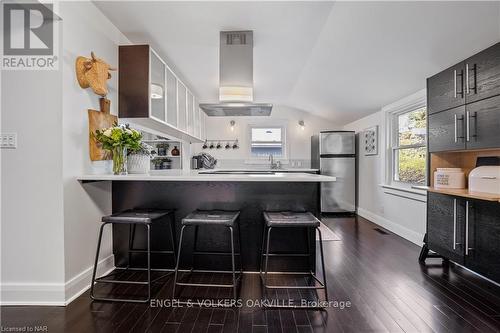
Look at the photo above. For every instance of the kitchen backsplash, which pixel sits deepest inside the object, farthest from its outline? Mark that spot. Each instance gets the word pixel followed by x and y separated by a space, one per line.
pixel 244 164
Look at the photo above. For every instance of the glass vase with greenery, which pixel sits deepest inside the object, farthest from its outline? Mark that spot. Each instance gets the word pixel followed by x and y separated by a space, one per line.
pixel 118 139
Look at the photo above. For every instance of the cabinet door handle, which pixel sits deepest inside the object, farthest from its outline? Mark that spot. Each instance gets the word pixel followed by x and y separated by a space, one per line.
pixel 467 228
pixel 467 248
pixel 454 224
pixel 455 123
pixel 467 125
pixel 455 84
pixel 467 79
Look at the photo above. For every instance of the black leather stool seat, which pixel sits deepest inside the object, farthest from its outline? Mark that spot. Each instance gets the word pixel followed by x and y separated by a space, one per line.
pixel 213 217
pixel 136 216
pixel 290 219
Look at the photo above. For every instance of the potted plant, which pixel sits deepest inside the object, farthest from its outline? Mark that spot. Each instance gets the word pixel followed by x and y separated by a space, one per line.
pixel 157 163
pixel 139 160
pixel 166 163
pixel 162 149
pixel 118 139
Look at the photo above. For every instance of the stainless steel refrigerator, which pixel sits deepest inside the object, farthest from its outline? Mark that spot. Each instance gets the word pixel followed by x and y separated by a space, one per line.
pixel 334 154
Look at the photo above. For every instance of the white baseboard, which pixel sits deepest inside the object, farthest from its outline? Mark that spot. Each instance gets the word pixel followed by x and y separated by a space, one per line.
pixel 396 228
pixel 52 294
pixel 81 282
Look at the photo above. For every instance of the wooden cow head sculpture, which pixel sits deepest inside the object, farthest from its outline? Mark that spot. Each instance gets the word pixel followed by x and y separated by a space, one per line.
pixel 93 72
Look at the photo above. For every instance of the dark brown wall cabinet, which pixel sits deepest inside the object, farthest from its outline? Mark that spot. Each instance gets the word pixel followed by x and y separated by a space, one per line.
pixel 463 104
pixel 466 232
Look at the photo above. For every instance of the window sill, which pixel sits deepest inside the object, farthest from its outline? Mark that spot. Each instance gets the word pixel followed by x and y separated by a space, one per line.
pixel 408 193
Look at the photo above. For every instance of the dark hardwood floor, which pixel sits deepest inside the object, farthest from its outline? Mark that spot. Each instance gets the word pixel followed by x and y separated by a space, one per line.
pixel 378 274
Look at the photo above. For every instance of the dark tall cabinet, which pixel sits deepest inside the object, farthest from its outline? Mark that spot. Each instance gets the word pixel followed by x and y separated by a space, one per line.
pixel 464 114
pixel 463 104
pixel 465 231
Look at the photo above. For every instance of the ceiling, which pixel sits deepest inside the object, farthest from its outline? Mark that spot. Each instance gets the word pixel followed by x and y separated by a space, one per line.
pixel 339 60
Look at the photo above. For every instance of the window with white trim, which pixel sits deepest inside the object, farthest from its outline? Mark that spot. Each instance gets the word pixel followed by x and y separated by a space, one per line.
pixel 267 140
pixel 408 146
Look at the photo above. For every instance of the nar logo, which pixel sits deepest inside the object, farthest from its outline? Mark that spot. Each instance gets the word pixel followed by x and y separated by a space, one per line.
pixel 29 36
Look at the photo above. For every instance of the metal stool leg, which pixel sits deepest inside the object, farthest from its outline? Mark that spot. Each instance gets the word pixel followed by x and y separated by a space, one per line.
pixel 323 263
pixel 172 236
pixel 233 262
pixel 178 261
pixel 267 255
pixel 262 251
pixel 239 250
pixel 149 261
pixel 96 261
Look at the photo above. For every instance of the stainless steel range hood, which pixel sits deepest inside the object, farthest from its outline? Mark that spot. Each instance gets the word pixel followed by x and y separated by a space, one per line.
pixel 236 78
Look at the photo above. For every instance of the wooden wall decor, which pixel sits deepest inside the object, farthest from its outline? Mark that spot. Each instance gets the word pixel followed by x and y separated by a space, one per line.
pixel 99 120
pixel 93 72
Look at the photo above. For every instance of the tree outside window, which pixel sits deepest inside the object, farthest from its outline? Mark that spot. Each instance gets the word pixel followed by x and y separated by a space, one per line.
pixel 409 146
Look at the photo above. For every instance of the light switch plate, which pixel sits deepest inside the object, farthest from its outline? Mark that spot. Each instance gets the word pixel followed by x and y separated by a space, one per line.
pixel 8 140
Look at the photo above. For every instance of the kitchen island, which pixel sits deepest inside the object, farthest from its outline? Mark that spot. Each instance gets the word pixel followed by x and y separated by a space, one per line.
pixel 185 192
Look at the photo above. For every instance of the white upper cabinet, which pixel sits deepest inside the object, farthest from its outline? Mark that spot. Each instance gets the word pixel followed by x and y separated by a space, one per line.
pixel 190 109
pixel 182 106
pixel 171 98
pixel 157 87
pixel 151 96
pixel 203 130
pixel 197 122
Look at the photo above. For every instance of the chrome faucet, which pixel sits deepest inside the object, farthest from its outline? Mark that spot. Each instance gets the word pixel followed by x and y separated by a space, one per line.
pixel 274 165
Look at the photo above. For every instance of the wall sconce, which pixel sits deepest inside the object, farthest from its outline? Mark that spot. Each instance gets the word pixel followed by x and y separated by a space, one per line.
pixel 232 123
pixel 302 124
pixel 156 91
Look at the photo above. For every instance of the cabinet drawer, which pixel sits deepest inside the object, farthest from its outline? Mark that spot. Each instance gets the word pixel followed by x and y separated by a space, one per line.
pixel 484 239
pixel 483 74
pixel 484 124
pixel 445 90
pixel 446 130
pixel 445 225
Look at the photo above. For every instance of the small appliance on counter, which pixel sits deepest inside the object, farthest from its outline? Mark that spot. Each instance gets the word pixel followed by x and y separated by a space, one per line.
pixel 449 178
pixel 207 161
pixel 196 162
pixel 486 176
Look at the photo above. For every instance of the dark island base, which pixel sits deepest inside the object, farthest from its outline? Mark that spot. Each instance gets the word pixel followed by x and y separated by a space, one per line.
pixel 251 198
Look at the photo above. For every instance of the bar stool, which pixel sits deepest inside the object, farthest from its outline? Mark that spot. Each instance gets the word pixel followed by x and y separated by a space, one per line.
pixel 291 220
pixel 210 218
pixel 133 218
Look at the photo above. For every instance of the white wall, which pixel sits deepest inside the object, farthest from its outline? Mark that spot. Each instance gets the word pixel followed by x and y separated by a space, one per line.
pixel 32 194
pixel 386 207
pixel 85 29
pixel 298 141
pixel 49 220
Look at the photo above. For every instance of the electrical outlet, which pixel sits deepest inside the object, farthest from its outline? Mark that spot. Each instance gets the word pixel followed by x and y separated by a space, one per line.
pixel 8 140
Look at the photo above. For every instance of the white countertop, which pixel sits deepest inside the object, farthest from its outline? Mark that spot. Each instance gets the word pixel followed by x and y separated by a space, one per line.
pixel 194 176
pixel 262 169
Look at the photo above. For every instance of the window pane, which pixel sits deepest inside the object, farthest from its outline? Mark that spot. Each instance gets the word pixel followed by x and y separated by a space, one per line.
pixel 266 134
pixel 266 141
pixel 412 127
pixel 410 165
